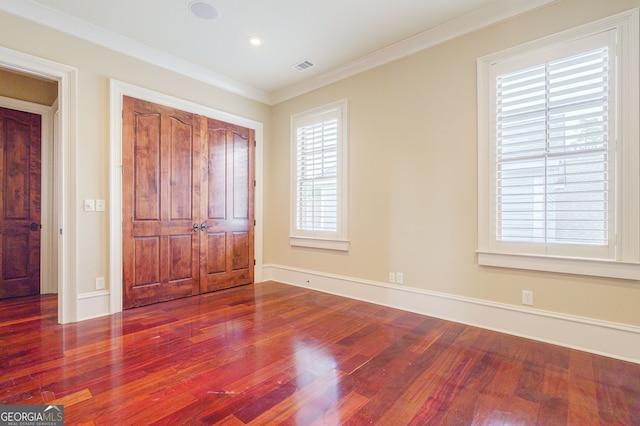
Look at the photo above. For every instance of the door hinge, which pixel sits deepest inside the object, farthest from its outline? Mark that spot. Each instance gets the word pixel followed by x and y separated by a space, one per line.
pixel 254 222
pixel 254 183
pixel 254 262
pixel 254 143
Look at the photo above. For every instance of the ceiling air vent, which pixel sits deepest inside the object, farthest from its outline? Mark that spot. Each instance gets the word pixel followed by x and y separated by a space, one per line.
pixel 304 65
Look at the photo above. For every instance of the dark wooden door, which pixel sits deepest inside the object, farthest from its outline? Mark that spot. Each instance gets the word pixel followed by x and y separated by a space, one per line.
pixel 161 203
pixel 188 204
pixel 228 206
pixel 20 166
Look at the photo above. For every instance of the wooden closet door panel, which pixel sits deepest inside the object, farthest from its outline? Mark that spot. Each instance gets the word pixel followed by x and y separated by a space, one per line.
pixel 228 206
pixel 146 166
pixel 241 259
pixel 20 183
pixel 216 261
pixel 181 149
pixel 147 261
pixel 161 152
pixel 215 174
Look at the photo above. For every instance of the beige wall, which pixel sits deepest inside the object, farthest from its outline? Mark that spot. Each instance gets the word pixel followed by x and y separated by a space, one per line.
pixel 96 66
pixel 413 172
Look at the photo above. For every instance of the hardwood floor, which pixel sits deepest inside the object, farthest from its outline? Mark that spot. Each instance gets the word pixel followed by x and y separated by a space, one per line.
pixel 272 353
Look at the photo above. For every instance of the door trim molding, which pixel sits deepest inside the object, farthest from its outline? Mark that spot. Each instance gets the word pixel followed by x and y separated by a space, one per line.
pixel 48 283
pixel 117 90
pixel 64 168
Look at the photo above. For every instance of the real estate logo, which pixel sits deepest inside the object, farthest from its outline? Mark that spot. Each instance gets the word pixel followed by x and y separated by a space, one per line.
pixel 31 415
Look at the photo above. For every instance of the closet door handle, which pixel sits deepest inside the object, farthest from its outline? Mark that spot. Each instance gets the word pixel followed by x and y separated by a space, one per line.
pixel 195 227
pixel 203 227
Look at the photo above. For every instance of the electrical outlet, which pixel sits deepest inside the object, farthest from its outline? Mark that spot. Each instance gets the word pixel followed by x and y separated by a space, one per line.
pixel 527 297
pixel 392 277
pixel 400 277
pixel 100 283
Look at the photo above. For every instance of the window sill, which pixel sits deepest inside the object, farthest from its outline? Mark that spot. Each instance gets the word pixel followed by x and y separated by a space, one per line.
pixel 321 243
pixel 578 266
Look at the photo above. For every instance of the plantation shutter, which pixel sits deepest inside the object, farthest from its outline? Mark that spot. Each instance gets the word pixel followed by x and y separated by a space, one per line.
pixel 552 152
pixel 317 175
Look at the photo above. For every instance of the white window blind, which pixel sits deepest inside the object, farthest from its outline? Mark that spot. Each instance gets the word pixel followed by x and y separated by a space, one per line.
pixel 558 152
pixel 552 152
pixel 316 176
pixel 319 172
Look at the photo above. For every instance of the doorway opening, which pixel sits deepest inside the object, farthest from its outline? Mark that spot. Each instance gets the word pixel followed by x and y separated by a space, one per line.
pixel 58 275
pixel 28 99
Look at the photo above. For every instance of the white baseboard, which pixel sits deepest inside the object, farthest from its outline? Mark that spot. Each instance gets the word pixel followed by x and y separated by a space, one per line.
pixel 93 305
pixel 600 337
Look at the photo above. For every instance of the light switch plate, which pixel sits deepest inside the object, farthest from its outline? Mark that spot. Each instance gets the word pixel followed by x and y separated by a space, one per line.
pixel 89 205
pixel 100 205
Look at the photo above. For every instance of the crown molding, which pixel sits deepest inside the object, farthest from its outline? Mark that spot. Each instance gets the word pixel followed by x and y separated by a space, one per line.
pixel 67 24
pixel 496 12
pixel 492 14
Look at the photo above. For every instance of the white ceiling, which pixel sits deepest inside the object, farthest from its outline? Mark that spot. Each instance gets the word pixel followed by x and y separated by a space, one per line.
pixel 341 37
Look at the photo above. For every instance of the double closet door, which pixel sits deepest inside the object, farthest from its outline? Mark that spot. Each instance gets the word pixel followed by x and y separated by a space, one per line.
pixel 188 204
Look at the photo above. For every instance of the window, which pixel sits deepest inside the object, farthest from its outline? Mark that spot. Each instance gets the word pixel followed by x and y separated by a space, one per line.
pixel 319 177
pixel 558 152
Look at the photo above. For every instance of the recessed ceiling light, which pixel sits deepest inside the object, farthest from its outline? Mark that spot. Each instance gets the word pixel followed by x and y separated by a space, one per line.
pixel 203 10
pixel 256 41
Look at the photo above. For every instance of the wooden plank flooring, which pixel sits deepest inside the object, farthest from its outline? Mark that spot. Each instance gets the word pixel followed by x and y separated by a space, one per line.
pixel 275 354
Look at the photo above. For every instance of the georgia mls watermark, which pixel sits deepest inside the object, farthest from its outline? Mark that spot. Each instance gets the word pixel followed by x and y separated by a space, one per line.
pixel 31 415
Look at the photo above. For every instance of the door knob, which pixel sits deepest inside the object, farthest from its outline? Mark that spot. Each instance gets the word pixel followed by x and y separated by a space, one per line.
pixel 203 227
pixel 35 226
pixel 195 227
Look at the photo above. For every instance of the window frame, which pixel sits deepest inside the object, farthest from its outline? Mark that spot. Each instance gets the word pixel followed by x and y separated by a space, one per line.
pixel 338 240
pixel 625 258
